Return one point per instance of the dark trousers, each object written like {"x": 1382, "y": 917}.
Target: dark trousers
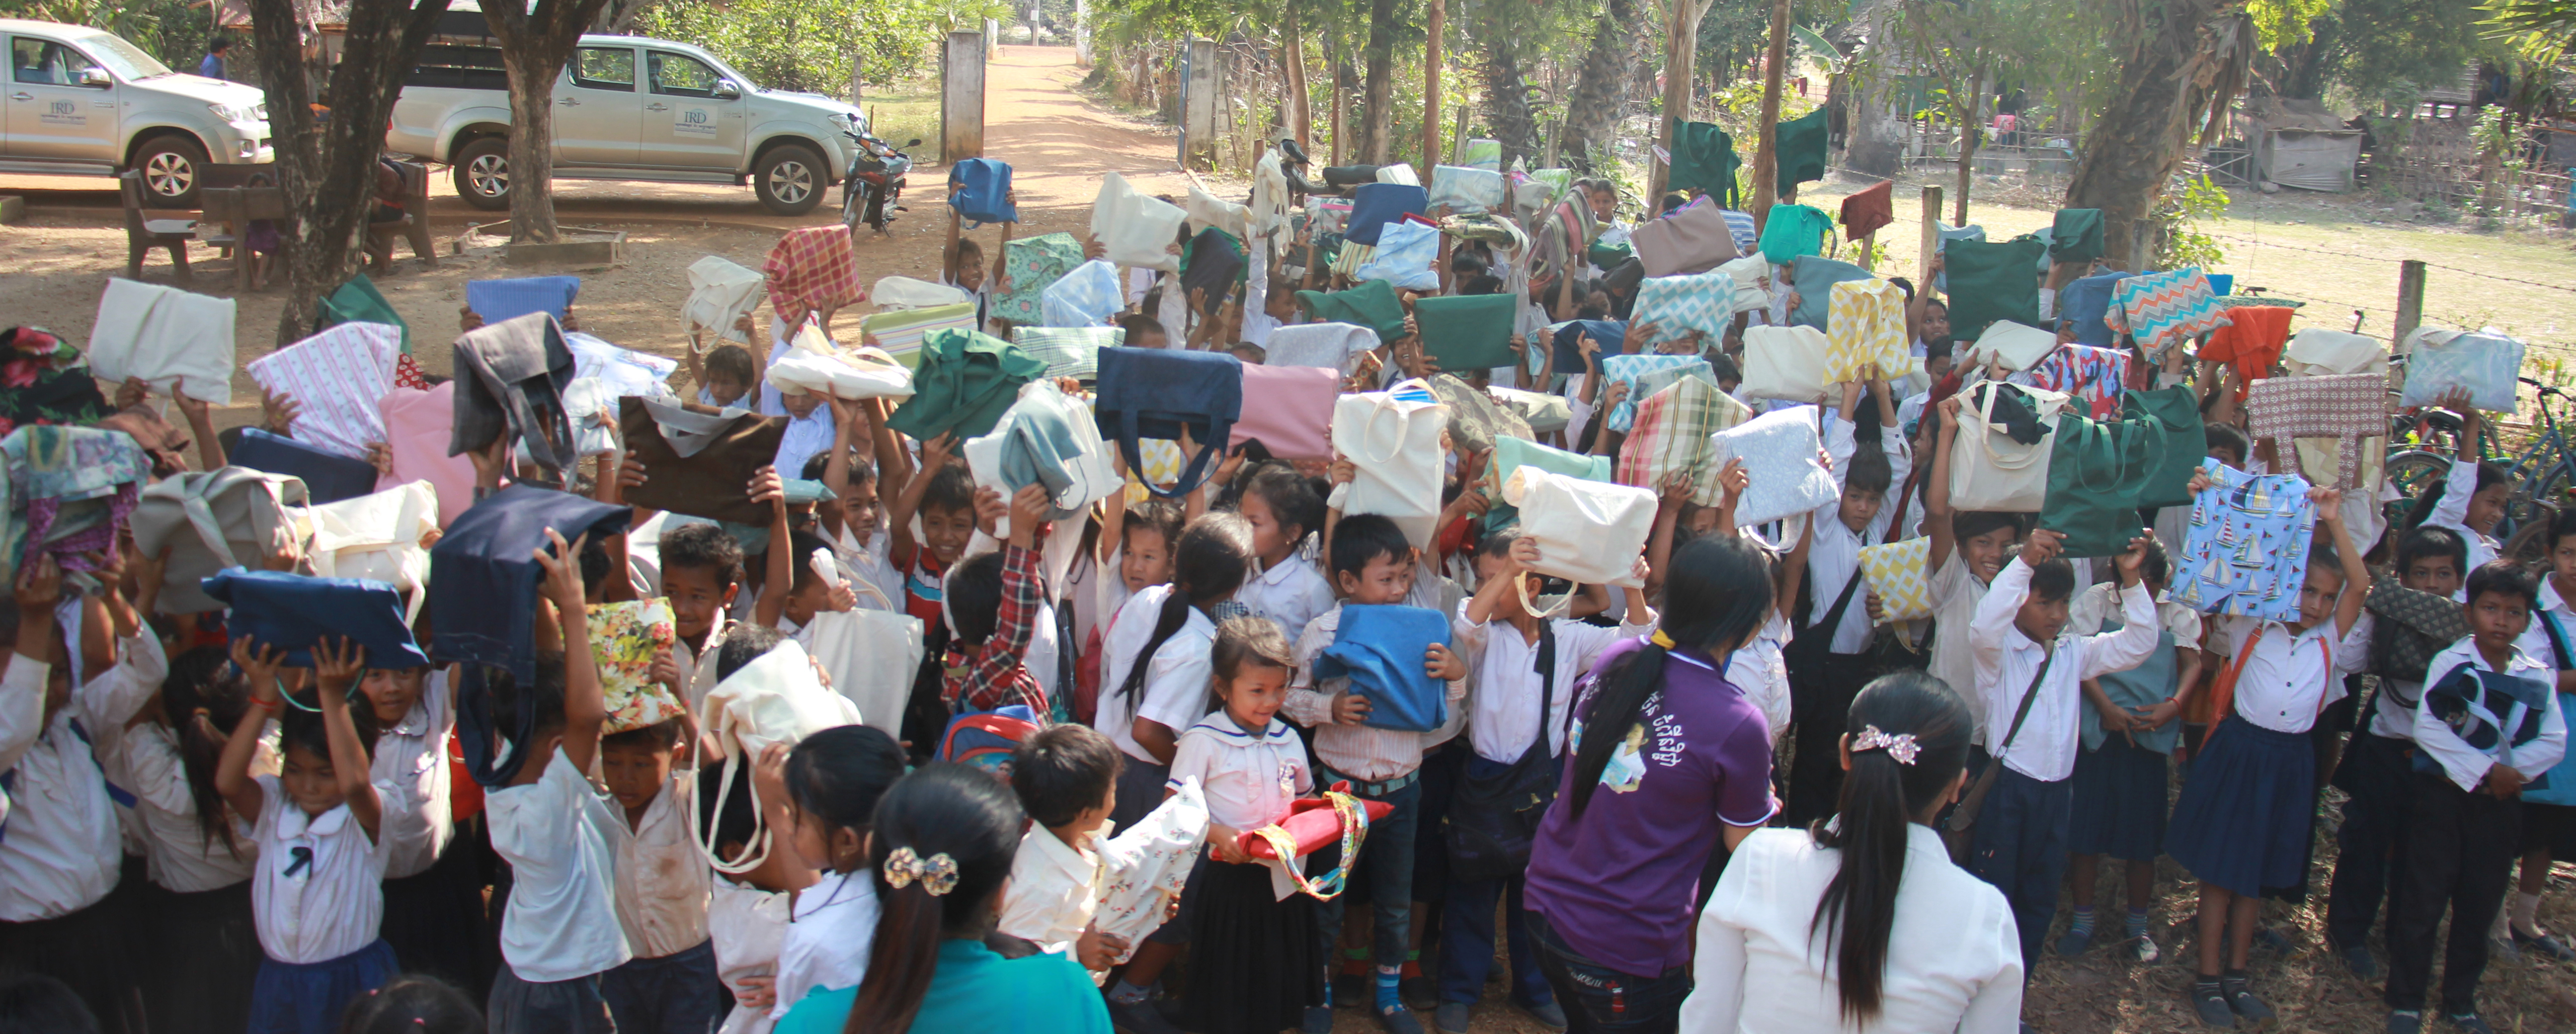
{"x": 1601, "y": 1000}
{"x": 1820, "y": 694}
{"x": 1386, "y": 859}
{"x": 2019, "y": 845}
{"x": 2368, "y": 864}
{"x": 86, "y": 949}
{"x": 573, "y": 1006}
{"x": 2459, "y": 856}
{"x": 677, "y": 993}
{"x": 1467, "y": 942}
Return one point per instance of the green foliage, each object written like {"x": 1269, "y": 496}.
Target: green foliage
{"x": 810, "y": 45}
{"x": 2280, "y": 23}
{"x": 2543, "y": 29}
{"x": 166, "y": 29}
{"x": 2183, "y": 210}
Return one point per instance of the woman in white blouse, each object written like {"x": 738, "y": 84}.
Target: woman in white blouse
{"x": 1863, "y": 924}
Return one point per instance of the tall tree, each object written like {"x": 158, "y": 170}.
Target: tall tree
{"x": 1431, "y": 31}
{"x": 1377, "y": 133}
{"x": 2181, "y": 62}
{"x": 327, "y": 165}
{"x": 535, "y": 43}
{"x": 1592, "y": 112}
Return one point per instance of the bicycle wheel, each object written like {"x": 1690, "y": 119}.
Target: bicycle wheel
{"x": 2530, "y": 545}
{"x": 2412, "y": 473}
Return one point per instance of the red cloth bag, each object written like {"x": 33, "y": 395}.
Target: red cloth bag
{"x": 1313, "y": 823}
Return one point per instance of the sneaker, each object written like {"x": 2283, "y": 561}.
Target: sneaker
{"x": 1319, "y": 1020}
{"x": 2405, "y": 1021}
{"x": 1139, "y": 1018}
{"x": 2467, "y": 1022}
{"x": 1451, "y": 1018}
{"x": 2143, "y": 948}
{"x": 1420, "y": 992}
{"x": 2357, "y": 958}
{"x": 2244, "y": 1003}
{"x": 2074, "y": 942}
{"x": 1548, "y": 1014}
{"x": 2212, "y": 1007}
{"x": 1398, "y": 1020}
{"x": 2546, "y": 944}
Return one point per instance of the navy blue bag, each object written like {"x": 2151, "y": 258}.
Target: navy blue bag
{"x": 1569, "y": 341}
{"x": 1376, "y": 204}
{"x": 1380, "y": 648}
{"x": 483, "y": 580}
{"x": 987, "y": 197}
{"x": 296, "y": 611}
{"x": 2085, "y": 301}
{"x": 328, "y": 476}
{"x": 1155, "y": 393}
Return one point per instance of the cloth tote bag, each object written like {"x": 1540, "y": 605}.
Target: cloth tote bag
{"x": 1693, "y": 240}
{"x": 1895, "y": 573}
{"x": 1157, "y": 393}
{"x": 1033, "y": 264}
{"x": 1085, "y": 297}
{"x": 1134, "y": 229}
{"x": 1406, "y": 251}
{"x": 1379, "y": 647}
{"x": 901, "y": 333}
{"x": 1793, "y": 231}
{"x": 298, "y": 612}
{"x": 1785, "y": 363}
{"x": 1645, "y": 375}
{"x": 328, "y": 476}
{"x": 624, "y": 637}
{"x": 1866, "y": 328}
{"x": 1752, "y": 276}
{"x": 1375, "y": 205}
{"x": 2345, "y": 407}
{"x": 234, "y": 517}
{"x": 2246, "y": 548}
{"x": 1677, "y": 305}
{"x": 2486, "y": 363}
{"x": 2017, "y": 346}
{"x": 1588, "y": 532}
{"x": 894, "y": 293}
{"x": 168, "y": 337}
{"x": 1068, "y": 351}
{"x": 1671, "y": 436}
{"x": 1370, "y": 303}
{"x": 1464, "y": 190}
{"x": 1467, "y": 332}
{"x": 965, "y": 382}
{"x": 1779, "y": 451}
{"x": 2076, "y": 235}
{"x": 1294, "y": 417}
{"x": 2318, "y": 350}
{"x": 2096, "y": 379}
{"x": 1330, "y": 346}
{"x": 774, "y": 699}
{"x": 1512, "y": 453}
{"x": 378, "y": 537}
{"x": 699, "y": 462}
{"x": 498, "y": 300}
{"x": 871, "y": 656}
{"x": 722, "y": 291}
{"x": 1393, "y": 441}
{"x": 1476, "y": 421}
{"x": 335, "y": 377}
{"x": 2175, "y": 416}
{"x": 417, "y": 427}
{"x": 2162, "y": 310}
{"x": 983, "y": 188}
{"x": 1049, "y": 440}
{"x": 1989, "y": 468}
{"x": 1990, "y": 282}
{"x": 2096, "y": 470}
{"x": 813, "y": 364}
{"x": 1813, "y": 277}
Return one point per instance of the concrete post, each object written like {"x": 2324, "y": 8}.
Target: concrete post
{"x": 961, "y": 97}
{"x": 1201, "y": 93}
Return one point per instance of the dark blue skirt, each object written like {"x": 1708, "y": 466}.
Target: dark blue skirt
{"x": 2119, "y": 802}
{"x": 308, "y": 998}
{"x": 2241, "y": 823}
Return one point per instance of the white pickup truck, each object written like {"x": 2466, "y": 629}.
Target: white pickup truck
{"x": 628, "y": 108}
{"x": 84, "y": 101}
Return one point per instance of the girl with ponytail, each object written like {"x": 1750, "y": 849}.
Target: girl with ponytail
{"x": 204, "y": 923}
{"x": 1861, "y": 923}
{"x": 943, "y": 839}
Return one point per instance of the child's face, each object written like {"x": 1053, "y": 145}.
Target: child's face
{"x": 1984, "y": 553}
{"x": 392, "y": 692}
{"x": 1491, "y": 567}
{"x": 308, "y": 780}
{"x": 1382, "y": 582}
{"x": 2496, "y": 620}
{"x": 2317, "y": 594}
{"x": 946, "y": 532}
{"x": 635, "y": 774}
{"x": 810, "y": 598}
{"x": 839, "y": 849}
{"x": 800, "y": 404}
{"x": 2434, "y": 574}
{"x": 2040, "y": 619}
{"x": 1937, "y": 366}
{"x": 696, "y": 599}
{"x": 2562, "y": 560}
{"x": 725, "y": 390}
{"x": 1254, "y": 695}
{"x": 1860, "y": 506}
{"x": 1936, "y": 322}
{"x": 2487, "y": 507}
{"x": 2228, "y": 458}
{"x": 1147, "y": 560}
{"x": 1270, "y": 540}
{"x": 860, "y": 510}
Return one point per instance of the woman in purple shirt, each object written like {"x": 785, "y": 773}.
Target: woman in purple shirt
{"x": 1669, "y": 757}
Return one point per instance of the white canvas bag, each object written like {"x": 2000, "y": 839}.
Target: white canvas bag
{"x": 1393, "y": 439}
{"x": 1033, "y": 425}
{"x": 1133, "y": 229}
{"x": 871, "y": 655}
{"x": 774, "y": 699}
{"x": 812, "y": 363}
{"x": 1989, "y": 470}
{"x": 1588, "y": 532}
{"x": 377, "y": 537}
{"x": 1785, "y": 363}
{"x": 1783, "y": 477}
{"x": 2017, "y": 346}
{"x": 720, "y": 292}
{"x": 167, "y": 337}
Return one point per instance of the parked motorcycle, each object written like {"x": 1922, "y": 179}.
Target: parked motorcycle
{"x": 875, "y": 184}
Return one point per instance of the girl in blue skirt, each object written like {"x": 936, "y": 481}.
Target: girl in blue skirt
{"x": 2120, "y": 775}
{"x": 2241, "y": 823}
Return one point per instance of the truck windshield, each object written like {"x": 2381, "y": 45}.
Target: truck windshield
{"x": 128, "y": 61}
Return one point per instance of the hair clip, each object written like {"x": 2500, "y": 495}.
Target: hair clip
{"x": 1661, "y": 639}
{"x": 1901, "y": 746}
{"x": 937, "y": 873}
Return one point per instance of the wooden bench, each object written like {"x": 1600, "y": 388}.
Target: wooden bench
{"x": 149, "y": 228}
{"x": 413, "y": 226}
{"x": 235, "y": 208}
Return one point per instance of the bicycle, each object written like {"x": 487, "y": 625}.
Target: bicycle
{"x": 2543, "y": 475}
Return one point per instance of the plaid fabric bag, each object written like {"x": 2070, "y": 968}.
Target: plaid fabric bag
{"x": 2346, "y": 407}
{"x": 1645, "y": 375}
{"x": 1671, "y": 434}
{"x": 810, "y": 268}
{"x": 2161, "y": 310}
{"x": 1068, "y": 351}
{"x": 1034, "y": 264}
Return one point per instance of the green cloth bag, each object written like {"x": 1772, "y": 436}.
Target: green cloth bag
{"x": 1794, "y": 230}
{"x": 1033, "y": 263}
{"x": 1467, "y": 332}
{"x": 2174, "y": 416}
{"x": 1372, "y": 304}
{"x": 2096, "y": 469}
{"x": 1801, "y": 143}
{"x": 1990, "y": 282}
{"x": 2076, "y": 236}
{"x": 1512, "y": 453}
{"x": 358, "y": 301}
{"x": 1704, "y": 160}
{"x": 1609, "y": 256}
{"x": 965, "y": 383}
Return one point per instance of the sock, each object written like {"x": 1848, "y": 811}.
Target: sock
{"x": 2204, "y": 985}
{"x": 2526, "y": 914}
{"x": 1126, "y": 993}
{"x": 2137, "y": 925}
{"x": 2233, "y": 980}
{"x": 1387, "y": 979}
{"x": 1355, "y": 962}
{"x": 1412, "y": 968}
{"x": 2083, "y": 926}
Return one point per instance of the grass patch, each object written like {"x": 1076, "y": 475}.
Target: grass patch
{"x": 906, "y": 110}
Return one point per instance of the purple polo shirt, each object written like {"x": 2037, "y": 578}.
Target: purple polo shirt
{"x": 1619, "y": 884}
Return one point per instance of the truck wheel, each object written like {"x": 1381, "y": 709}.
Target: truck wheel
{"x": 172, "y": 165}
{"x": 790, "y": 178}
{"x": 483, "y": 173}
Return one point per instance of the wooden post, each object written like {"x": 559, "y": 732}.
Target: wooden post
{"x": 1458, "y": 139}
{"x": 961, "y": 97}
{"x": 1341, "y": 105}
{"x": 2410, "y": 301}
{"x": 1931, "y": 236}
{"x": 1430, "y": 89}
{"x": 1681, "y": 56}
{"x": 1766, "y": 152}
{"x": 1868, "y": 251}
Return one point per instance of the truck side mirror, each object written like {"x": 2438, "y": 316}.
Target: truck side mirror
{"x": 97, "y": 77}
{"x": 725, "y": 90}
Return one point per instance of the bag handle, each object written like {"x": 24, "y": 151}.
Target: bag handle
{"x": 1986, "y": 441}
{"x": 1354, "y": 832}
{"x": 1404, "y": 428}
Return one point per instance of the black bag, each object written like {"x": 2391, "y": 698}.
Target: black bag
{"x": 1492, "y": 821}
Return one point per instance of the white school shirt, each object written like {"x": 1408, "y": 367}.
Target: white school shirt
{"x": 780, "y": 339}
{"x": 2453, "y": 511}
{"x": 662, "y": 881}
{"x": 1761, "y": 671}
{"x": 63, "y": 847}
{"x": 806, "y": 437}
{"x": 1953, "y": 959}
{"x": 1177, "y": 678}
{"x": 2289, "y": 677}
{"x": 865, "y": 563}
{"x": 411, "y": 776}
{"x": 178, "y": 854}
{"x": 555, "y": 833}
{"x": 1248, "y": 778}
{"x": 1956, "y": 593}
{"x": 1834, "y": 554}
{"x": 831, "y": 929}
{"x": 1502, "y": 708}
{"x": 747, "y": 924}
{"x": 2466, "y": 766}
{"x": 1365, "y": 752}
{"x": 2535, "y": 639}
{"x": 1054, "y": 889}
{"x": 698, "y": 671}
{"x": 109, "y": 699}
{"x": 2006, "y": 661}
{"x": 1292, "y": 593}
{"x": 334, "y": 901}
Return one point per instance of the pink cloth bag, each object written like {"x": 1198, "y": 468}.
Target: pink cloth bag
{"x": 1290, "y": 408}
{"x": 417, "y": 425}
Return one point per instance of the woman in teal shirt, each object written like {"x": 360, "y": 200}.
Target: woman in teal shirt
{"x": 943, "y": 842}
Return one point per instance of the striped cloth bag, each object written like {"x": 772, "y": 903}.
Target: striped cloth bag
{"x": 900, "y": 333}
{"x": 1671, "y": 433}
{"x": 335, "y": 377}
{"x": 2161, "y": 310}
{"x": 1645, "y": 375}
{"x": 1068, "y": 351}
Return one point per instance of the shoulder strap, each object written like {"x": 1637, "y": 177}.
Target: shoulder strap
{"x": 1546, "y": 662}
{"x": 2027, "y": 697}
{"x": 2558, "y": 644}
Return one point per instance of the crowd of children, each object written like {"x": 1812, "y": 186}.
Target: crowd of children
{"x": 208, "y": 831}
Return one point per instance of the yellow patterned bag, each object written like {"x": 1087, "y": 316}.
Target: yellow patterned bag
{"x": 1896, "y": 573}
{"x": 1865, "y": 325}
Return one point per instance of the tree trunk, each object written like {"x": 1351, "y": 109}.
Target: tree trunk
{"x": 534, "y": 46}
{"x": 2177, "y": 67}
{"x": 1300, "y": 113}
{"x": 1431, "y": 88}
{"x": 1681, "y": 53}
{"x": 1766, "y": 149}
{"x": 1971, "y": 129}
{"x": 1592, "y": 113}
{"x": 1875, "y": 144}
{"x": 327, "y": 170}
{"x": 1341, "y": 106}
{"x": 1377, "y": 132}
{"x": 1507, "y": 105}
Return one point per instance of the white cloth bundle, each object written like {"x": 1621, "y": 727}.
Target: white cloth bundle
{"x": 871, "y": 656}
{"x": 2017, "y": 346}
{"x": 377, "y": 537}
{"x": 1786, "y": 363}
{"x": 813, "y": 363}
{"x": 894, "y": 293}
{"x": 1588, "y": 532}
{"x": 1208, "y": 210}
{"x": 625, "y": 370}
{"x": 1145, "y": 866}
{"x": 167, "y": 337}
{"x": 720, "y": 292}
{"x": 1329, "y": 345}
{"x": 1136, "y": 230}
{"x": 774, "y": 699}
{"x": 591, "y": 405}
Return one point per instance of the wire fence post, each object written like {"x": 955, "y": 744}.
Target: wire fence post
{"x": 1931, "y": 234}
{"x": 2410, "y": 300}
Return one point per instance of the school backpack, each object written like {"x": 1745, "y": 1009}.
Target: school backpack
{"x": 985, "y": 739}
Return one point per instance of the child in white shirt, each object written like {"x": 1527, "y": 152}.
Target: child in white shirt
{"x": 1284, "y": 512}
{"x": 832, "y": 781}
{"x": 662, "y": 887}
{"x": 1067, "y": 779}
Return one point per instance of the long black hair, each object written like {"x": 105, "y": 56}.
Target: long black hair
{"x": 840, "y": 775}
{"x": 1716, "y": 595}
{"x": 1881, "y": 795}
{"x": 1209, "y": 563}
{"x": 973, "y": 820}
{"x": 203, "y": 683}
